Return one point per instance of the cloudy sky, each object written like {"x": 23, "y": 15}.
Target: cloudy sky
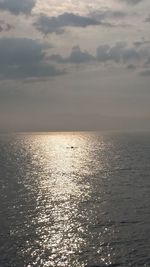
{"x": 74, "y": 65}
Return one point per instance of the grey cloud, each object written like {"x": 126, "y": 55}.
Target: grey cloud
{"x": 106, "y": 14}
{"x": 131, "y": 2}
{"x": 117, "y": 53}
{"x": 24, "y": 58}
{"x": 145, "y": 73}
{"x": 135, "y": 56}
{"x": 147, "y": 19}
{"x": 76, "y": 56}
{"x": 141, "y": 43}
{"x": 109, "y": 18}
{"x": 116, "y": 14}
{"x": 5, "y": 26}
{"x": 47, "y": 24}
{"x": 132, "y": 56}
{"x": 17, "y": 6}
{"x": 131, "y": 67}
{"x": 58, "y": 24}
{"x": 147, "y": 63}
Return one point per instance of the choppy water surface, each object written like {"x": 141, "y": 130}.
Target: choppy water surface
{"x": 75, "y": 200}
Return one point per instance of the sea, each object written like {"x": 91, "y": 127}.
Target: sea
{"x": 76, "y": 199}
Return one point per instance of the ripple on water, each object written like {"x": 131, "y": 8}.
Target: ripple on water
{"x": 74, "y": 200}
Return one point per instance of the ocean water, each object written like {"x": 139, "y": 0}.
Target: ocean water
{"x": 75, "y": 200}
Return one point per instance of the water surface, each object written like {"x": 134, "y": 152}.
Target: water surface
{"x": 74, "y": 200}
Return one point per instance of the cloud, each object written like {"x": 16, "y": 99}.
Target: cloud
{"x": 17, "y": 6}
{"x": 131, "y": 2}
{"x": 147, "y": 63}
{"x": 77, "y": 56}
{"x": 107, "y": 14}
{"x": 5, "y": 27}
{"x": 28, "y": 58}
{"x": 147, "y": 19}
{"x": 58, "y": 24}
{"x": 141, "y": 43}
{"x": 135, "y": 56}
{"x": 47, "y": 24}
{"x": 109, "y": 18}
{"x": 120, "y": 52}
{"x": 24, "y": 58}
{"x": 145, "y": 73}
{"x": 131, "y": 67}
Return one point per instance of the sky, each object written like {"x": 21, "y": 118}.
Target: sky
{"x": 73, "y": 65}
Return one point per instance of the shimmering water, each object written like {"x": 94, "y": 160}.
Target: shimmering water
{"x": 75, "y": 200}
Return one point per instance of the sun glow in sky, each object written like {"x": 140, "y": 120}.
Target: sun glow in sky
{"x": 55, "y": 7}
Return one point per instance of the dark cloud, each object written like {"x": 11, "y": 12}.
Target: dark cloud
{"x": 145, "y": 73}
{"x": 131, "y": 67}
{"x": 116, "y": 14}
{"x": 17, "y": 6}
{"x": 147, "y": 63}
{"x": 28, "y": 58}
{"x": 76, "y": 56}
{"x": 147, "y": 19}
{"x": 141, "y": 43}
{"x": 109, "y": 18}
{"x": 131, "y": 2}
{"x": 120, "y": 52}
{"x": 132, "y": 56}
{"x": 58, "y": 24}
{"x": 5, "y": 27}
{"x": 107, "y": 14}
{"x": 24, "y": 58}
{"x": 47, "y": 24}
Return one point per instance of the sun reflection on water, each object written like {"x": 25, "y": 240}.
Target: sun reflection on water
{"x": 74, "y": 200}
{"x": 60, "y": 169}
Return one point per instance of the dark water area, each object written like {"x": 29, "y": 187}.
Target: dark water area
{"x": 75, "y": 200}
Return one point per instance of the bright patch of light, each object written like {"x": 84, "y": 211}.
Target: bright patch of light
{"x": 56, "y": 7}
